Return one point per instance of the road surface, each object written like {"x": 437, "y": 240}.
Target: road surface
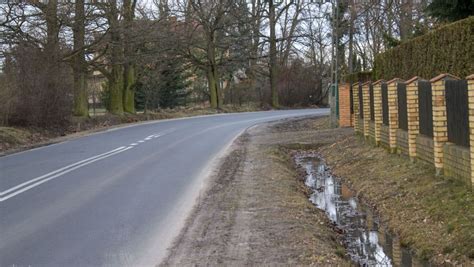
{"x": 117, "y": 197}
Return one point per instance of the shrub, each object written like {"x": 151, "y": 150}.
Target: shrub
{"x": 449, "y": 49}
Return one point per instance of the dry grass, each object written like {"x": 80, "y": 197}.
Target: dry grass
{"x": 433, "y": 215}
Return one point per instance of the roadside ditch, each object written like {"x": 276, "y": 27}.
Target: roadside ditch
{"x": 297, "y": 192}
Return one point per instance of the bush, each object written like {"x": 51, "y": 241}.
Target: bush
{"x": 449, "y": 49}
{"x": 363, "y": 76}
{"x": 38, "y": 98}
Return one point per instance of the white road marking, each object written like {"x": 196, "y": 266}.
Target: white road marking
{"x": 18, "y": 189}
{"x": 57, "y": 173}
{"x": 58, "y": 170}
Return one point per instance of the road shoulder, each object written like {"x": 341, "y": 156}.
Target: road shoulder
{"x": 256, "y": 211}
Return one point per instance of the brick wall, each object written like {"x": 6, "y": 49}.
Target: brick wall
{"x": 372, "y": 131}
{"x": 366, "y": 104}
{"x": 424, "y": 148}
{"x": 355, "y": 96}
{"x": 470, "y": 93}
{"x": 393, "y": 113}
{"x": 384, "y": 139}
{"x": 344, "y": 105}
{"x": 440, "y": 123}
{"x": 457, "y": 162}
{"x": 412, "y": 115}
{"x": 402, "y": 142}
{"x": 377, "y": 110}
{"x": 448, "y": 158}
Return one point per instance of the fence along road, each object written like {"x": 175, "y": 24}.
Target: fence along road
{"x": 113, "y": 198}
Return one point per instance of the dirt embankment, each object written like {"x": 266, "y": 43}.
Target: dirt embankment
{"x": 256, "y": 212}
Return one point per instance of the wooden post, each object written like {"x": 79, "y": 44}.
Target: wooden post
{"x": 440, "y": 120}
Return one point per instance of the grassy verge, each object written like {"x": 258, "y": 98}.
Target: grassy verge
{"x": 433, "y": 215}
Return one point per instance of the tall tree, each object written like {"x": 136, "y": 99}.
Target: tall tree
{"x": 129, "y": 65}
{"x": 273, "y": 54}
{"x": 79, "y": 62}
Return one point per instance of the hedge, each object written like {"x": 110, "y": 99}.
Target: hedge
{"x": 449, "y": 49}
{"x": 363, "y": 76}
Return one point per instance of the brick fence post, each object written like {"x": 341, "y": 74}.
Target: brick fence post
{"x": 440, "y": 120}
{"x": 355, "y": 103}
{"x": 413, "y": 116}
{"x": 366, "y": 107}
{"x": 377, "y": 87}
{"x": 392, "y": 113}
{"x": 470, "y": 92}
{"x": 344, "y": 105}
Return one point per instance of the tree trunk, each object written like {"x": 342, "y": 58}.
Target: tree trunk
{"x": 116, "y": 77}
{"x": 406, "y": 19}
{"x": 79, "y": 64}
{"x": 52, "y": 59}
{"x": 273, "y": 54}
{"x": 129, "y": 68}
{"x": 212, "y": 76}
{"x": 256, "y": 24}
{"x": 212, "y": 82}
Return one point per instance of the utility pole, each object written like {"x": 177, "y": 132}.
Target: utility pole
{"x": 273, "y": 55}
{"x": 334, "y": 63}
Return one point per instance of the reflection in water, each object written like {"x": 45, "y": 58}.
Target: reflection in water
{"x": 360, "y": 227}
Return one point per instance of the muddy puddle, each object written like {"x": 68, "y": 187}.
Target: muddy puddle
{"x": 367, "y": 241}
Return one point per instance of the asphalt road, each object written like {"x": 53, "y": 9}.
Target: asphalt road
{"x": 117, "y": 197}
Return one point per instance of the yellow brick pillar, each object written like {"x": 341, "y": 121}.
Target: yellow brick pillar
{"x": 366, "y": 108}
{"x": 440, "y": 121}
{"x": 377, "y": 87}
{"x": 413, "y": 116}
{"x": 470, "y": 93}
{"x": 392, "y": 113}
{"x": 355, "y": 102}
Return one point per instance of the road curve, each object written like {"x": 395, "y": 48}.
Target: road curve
{"x": 116, "y": 197}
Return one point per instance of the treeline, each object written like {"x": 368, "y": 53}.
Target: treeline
{"x": 159, "y": 54}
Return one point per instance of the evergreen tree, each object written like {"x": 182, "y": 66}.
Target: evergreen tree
{"x": 162, "y": 85}
{"x": 451, "y": 10}
{"x": 172, "y": 86}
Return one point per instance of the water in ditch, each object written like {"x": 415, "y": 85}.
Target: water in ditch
{"x": 367, "y": 242}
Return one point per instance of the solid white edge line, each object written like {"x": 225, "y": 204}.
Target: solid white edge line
{"x": 60, "y": 174}
{"x": 58, "y": 170}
